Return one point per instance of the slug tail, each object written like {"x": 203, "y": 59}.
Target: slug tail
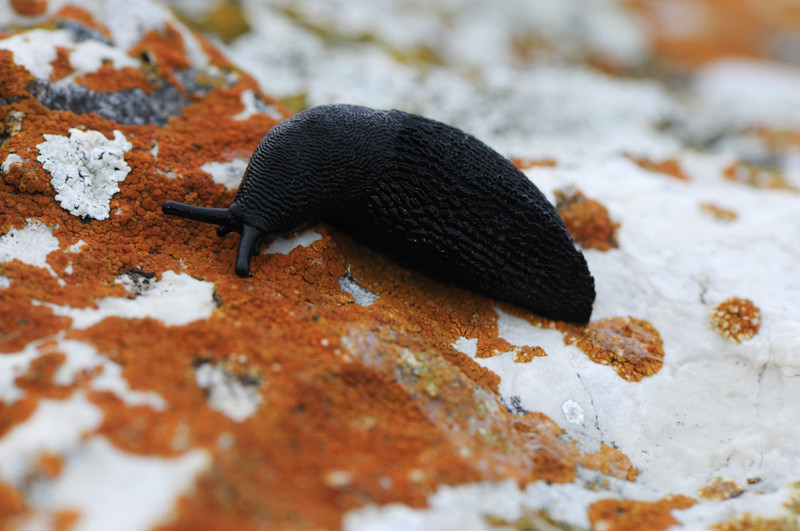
{"x": 218, "y": 216}
{"x": 251, "y": 238}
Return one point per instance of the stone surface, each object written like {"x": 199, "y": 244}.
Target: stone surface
{"x": 143, "y": 385}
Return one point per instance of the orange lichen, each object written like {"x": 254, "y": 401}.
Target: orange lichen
{"x": 65, "y": 520}
{"x": 13, "y": 78}
{"x": 38, "y": 380}
{"x": 14, "y": 413}
{"x": 633, "y": 515}
{"x": 718, "y": 29}
{"x": 28, "y": 176}
{"x": 526, "y": 164}
{"x": 757, "y": 176}
{"x": 12, "y": 504}
{"x": 29, "y": 8}
{"x": 358, "y": 404}
{"x": 669, "y": 167}
{"x": 22, "y": 322}
{"x": 62, "y": 67}
{"x": 717, "y": 212}
{"x": 489, "y": 347}
{"x": 525, "y": 353}
{"x": 165, "y": 48}
{"x": 632, "y": 346}
{"x": 587, "y": 221}
{"x": 611, "y": 462}
{"x": 81, "y": 16}
{"x": 720, "y": 489}
{"x": 736, "y": 318}
{"x": 109, "y": 79}
{"x": 789, "y": 521}
{"x": 47, "y": 465}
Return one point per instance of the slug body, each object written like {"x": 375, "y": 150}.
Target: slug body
{"x": 424, "y": 192}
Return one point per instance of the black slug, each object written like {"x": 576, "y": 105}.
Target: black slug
{"x": 424, "y": 192}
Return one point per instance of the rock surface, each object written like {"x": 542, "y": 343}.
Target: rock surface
{"x": 143, "y": 385}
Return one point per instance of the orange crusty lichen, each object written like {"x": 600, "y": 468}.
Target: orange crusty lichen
{"x": 525, "y": 353}
{"x": 109, "y": 79}
{"x": 526, "y": 164}
{"x": 720, "y": 29}
{"x": 634, "y": 515}
{"x": 789, "y": 521}
{"x": 632, "y": 346}
{"x": 359, "y": 404}
{"x": 62, "y": 67}
{"x": 611, "y": 462}
{"x": 489, "y": 347}
{"x": 29, "y": 8}
{"x": 48, "y": 465}
{"x": 12, "y": 505}
{"x": 736, "y": 318}
{"x": 757, "y": 176}
{"x": 587, "y": 220}
{"x": 720, "y": 489}
{"x": 669, "y": 167}
{"x": 22, "y": 322}
{"x": 38, "y": 380}
{"x": 15, "y": 78}
{"x": 717, "y": 212}
{"x": 165, "y": 48}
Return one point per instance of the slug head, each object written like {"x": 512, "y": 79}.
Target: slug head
{"x": 228, "y": 222}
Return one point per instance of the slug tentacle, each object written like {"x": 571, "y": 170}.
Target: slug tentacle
{"x": 419, "y": 190}
{"x": 218, "y": 216}
{"x": 251, "y": 241}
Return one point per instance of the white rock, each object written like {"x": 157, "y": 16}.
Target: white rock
{"x": 176, "y": 299}
{"x": 31, "y": 245}
{"x": 227, "y": 393}
{"x": 228, "y": 174}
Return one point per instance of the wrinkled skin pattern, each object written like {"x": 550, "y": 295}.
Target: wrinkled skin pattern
{"x": 426, "y": 193}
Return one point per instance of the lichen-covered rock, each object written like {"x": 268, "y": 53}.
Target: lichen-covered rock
{"x": 339, "y": 389}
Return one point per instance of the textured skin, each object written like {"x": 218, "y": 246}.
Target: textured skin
{"x": 424, "y": 192}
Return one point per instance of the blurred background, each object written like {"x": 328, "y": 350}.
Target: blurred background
{"x": 541, "y": 78}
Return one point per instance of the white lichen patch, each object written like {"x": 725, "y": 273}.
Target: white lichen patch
{"x": 253, "y": 106}
{"x": 228, "y": 174}
{"x": 37, "y": 49}
{"x": 55, "y": 427}
{"x": 82, "y": 357}
{"x": 12, "y": 158}
{"x": 91, "y": 483}
{"x": 573, "y": 412}
{"x": 362, "y": 295}
{"x": 232, "y": 395}
{"x": 285, "y": 245}
{"x": 76, "y": 247}
{"x": 86, "y": 169}
{"x": 467, "y": 346}
{"x": 13, "y": 365}
{"x": 31, "y": 245}
{"x": 177, "y": 299}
